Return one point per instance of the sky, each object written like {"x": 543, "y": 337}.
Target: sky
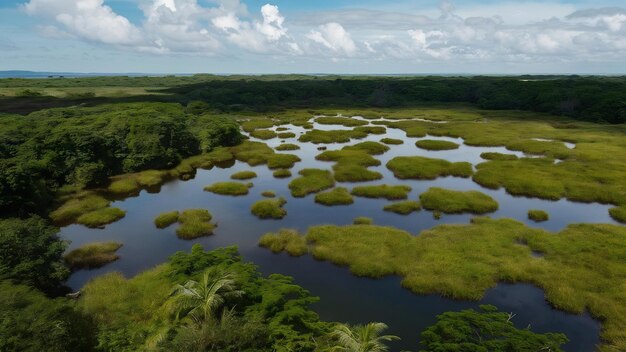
{"x": 320, "y": 36}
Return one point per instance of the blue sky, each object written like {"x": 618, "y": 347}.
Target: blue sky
{"x": 323, "y": 36}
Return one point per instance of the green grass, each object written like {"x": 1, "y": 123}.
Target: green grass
{"x": 252, "y": 125}
{"x": 453, "y": 202}
{"x": 126, "y": 185}
{"x": 403, "y": 208}
{"x": 287, "y": 146}
{"x": 371, "y": 130}
{"x": 538, "y": 215}
{"x": 228, "y": 188}
{"x": 351, "y": 165}
{"x": 311, "y": 181}
{"x": 257, "y": 153}
{"x": 101, "y": 217}
{"x": 431, "y": 144}
{"x": 243, "y": 175}
{"x": 166, "y": 219}
{"x": 285, "y": 240}
{"x": 382, "y": 191}
{"x": 263, "y": 134}
{"x": 344, "y": 121}
{"x": 286, "y": 135}
{"x": 282, "y": 161}
{"x": 268, "y": 194}
{"x": 392, "y": 141}
{"x": 362, "y": 220}
{"x": 497, "y": 156}
{"x": 79, "y": 204}
{"x": 336, "y": 196}
{"x": 618, "y": 213}
{"x": 582, "y": 268}
{"x": 195, "y": 223}
{"x": 269, "y": 208}
{"x": 283, "y": 173}
{"x": 418, "y": 167}
{"x": 93, "y": 255}
{"x": 372, "y": 148}
{"x": 354, "y": 173}
{"x": 327, "y": 137}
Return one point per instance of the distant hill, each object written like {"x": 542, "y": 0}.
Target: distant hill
{"x": 37, "y": 74}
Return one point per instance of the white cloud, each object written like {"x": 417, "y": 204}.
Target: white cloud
{"x": 334, "y": 37}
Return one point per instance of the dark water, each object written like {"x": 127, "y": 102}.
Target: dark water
{"x": 344, "y": 297}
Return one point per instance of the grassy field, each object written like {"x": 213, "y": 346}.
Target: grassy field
{"x": 453, "y": 202}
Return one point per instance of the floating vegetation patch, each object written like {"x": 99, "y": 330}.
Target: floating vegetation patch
{"x": 344, "y": 121}
{"x": 101, "y": 217}
{"x": 392, "y": 141}
{"x": 311, "y": 181}
{"x": 269, "y": 208}
{"x": 287, "y": 146}
{"x": 431, "y": 144}
{"x": 497, "y": 156}
{"x": 403, "y": 208}
{"x": 243, "y": 175}
{"x": 268, "y": 194}
{"x": 263, "y": 134}
{"x": 229, "y": 188}
{"x": 257, "y": 153}
{"x": 92, "y": 255}
{"x": 382, "y": 191}
{"x": 372, "y": 148}
{"x": 362, "y": 220}
{"x": 285, "y": 240}
{"x": 336, "y": 196}
{"x": 327, "y": 137}
{"x": 538, "y": 215}
{"x": 422, "y": 168}
{"x": 618, "y": 213}
{"x": 166, "y": 219}
{"x": 283, "y": 173}
{"x": 453, "y": 202}
{"x": 286, "y": 135}
{"x": 195, "y": 223}
{"x": 371, "y": 130}
{"x": 351, "y": 165}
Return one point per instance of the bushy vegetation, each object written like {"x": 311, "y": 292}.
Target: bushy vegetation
{"x": 101, "y": 217}
{"x": 263, "y": 134}
{"x": 287, "y": 146}
{"x": 195, "y": 223}
{"x": 431, "y": 144}
{"x": 229, "y": 188}
{"x": 382, "y": 191}
{"x": 485, "y": 330}
{"x": 392, "y": 141}
{"x": 403, "y": 208}
{"x": 538, "y": 215}
{"x": 311, "y": 181}
{"x": 362, "y": 220}
{"x": 166, "y": 219}
{"x": 285, "y": 240}
{"x": 78, "y": 205}
{"x": 243, "y": 175}
{"x": 336, "y": 196}
{"x": 92, "y": 255}
{"x": 418, "y": 167}
{"x": 451, "y": 201}
{"x": 269, "y": 208}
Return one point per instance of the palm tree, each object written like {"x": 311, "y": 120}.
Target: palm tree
{"x": 201, "y": 300}
{"x": 361, "y": 338}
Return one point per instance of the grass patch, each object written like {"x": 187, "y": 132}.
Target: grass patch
{"x": 351, "y": 165}
{"x": 418, "y": 167}
{"x": 497, "y": 156}
{"x": 392, "y": 141}
{"x": 282, "y": 161}
{"x": 195, "y": 223}
{"x": 372, "y": 148}
{"x": 344, "y": 121}
{"x": 287, "y": 146}
{"x": 453, "y": 202}
{"x": 166, "y": 219}
{"x": 243, "y": 175}
{"x": 76, "y": 206}
{"x": 327, "y": 137}
{"x": 133, "y": 183}
{"x": 268, "y": 194}
{"x": 252, "y": 125}
{"x": 228, "y": 188}
{"x": 269, "y": 208}
{"x": 431, "y": 144}
{"x": 286, "y": 135}
{"x": 618, "y": 213}
{"x": 538, "y": 215}
{"x": 125, "y": 185}
{"x": 93, "y": 255}
{"x": 362, "y": 220}
{"x": 336, "y": 196}
{"x": 382, "y": 191}
{"x": 371, "y": 130}
{"x": 355, "y": 173}
{"x": 263, "y": 134}
{"x": 285, "y": 240}
{"x": 101, "y": 217}
{"x": 582, "y": 268}
{"x": 403, "y": 208}
{"x": 283, "y": 173}
{"x": 311, "y": 181}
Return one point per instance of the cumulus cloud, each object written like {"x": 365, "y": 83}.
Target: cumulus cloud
{"x": 334, "y": 37}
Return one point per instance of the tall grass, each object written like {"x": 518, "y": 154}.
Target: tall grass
{"x": 311, "y": 181}
{"x": 336, "y": 196}
{"x": 451, "y": 201}
{"x": 93, "y": 255}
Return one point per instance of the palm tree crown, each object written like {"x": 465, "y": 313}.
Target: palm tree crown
{"x": 361, "y": 338}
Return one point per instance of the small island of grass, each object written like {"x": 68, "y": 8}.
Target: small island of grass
{"x": 422, "y": 168}
{"x": 166, "y": 219}
{"x": 538, "y": 215}
{"x": 285, "y": 240}
{"x": 618, "y": 213}
{"x": 228, "y": 188}
{"x": 195, "y": 223}
{"x": 362, "y": 220}
{"x": 93, "y": 255}
{"x": 392, "y": 141}
{"x": 327, "y": 137}
{"x": 382, "y": 191}
{"x": 282, "y": 173}
{"x": 101, "y": 217}
{"x": 404, "y": 207}
{"x": 269, "y": 208}
{"x": 286, "y": 135}
{"x": 372, "y": 148}
{"x": 431, "y": 144}
{"x": 243, "y": 175}
{"x": 336, "y": 196}
{"x": 453, "y": 202}
{"x": 263, "y": 134}
{"x": 311, "y": 181}
{"x": 497, "y": 156}
{"x": 287, "y": 146}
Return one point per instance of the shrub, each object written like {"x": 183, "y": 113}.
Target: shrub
{"x": 382, "y": 191}
{"x": 362, "y": 220}
{"x": 450, "y": 202}
{"x": 336, "y": 196}
{"x": 93, "y": 255}
{"x": 538, "y": 215}
{"x": 164, "y": 220}
{"x": 417, "y": 167}
{"x": 311, "y": 181}
{"x": 403, "y": 208}
{"x": 228, "y": 188}
{"x": 101, "y": 217}
{"x": 287, "y": 146}
{"x": 269, "y": 208}
{"x": 285, "y": 240}
{"x": 430, "y": 144}
{"x": 243, "y": 175}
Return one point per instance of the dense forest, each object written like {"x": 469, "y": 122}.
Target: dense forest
{"x": 597, "y": 99}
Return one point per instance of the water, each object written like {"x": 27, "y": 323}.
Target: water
{"x": 344, "y": 297}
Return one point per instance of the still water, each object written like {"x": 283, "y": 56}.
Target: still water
{"x": 344, "y": 297}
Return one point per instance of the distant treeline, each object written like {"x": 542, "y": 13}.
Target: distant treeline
{"x": 594, "y": 98}
{"x": 84, "y": 146}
